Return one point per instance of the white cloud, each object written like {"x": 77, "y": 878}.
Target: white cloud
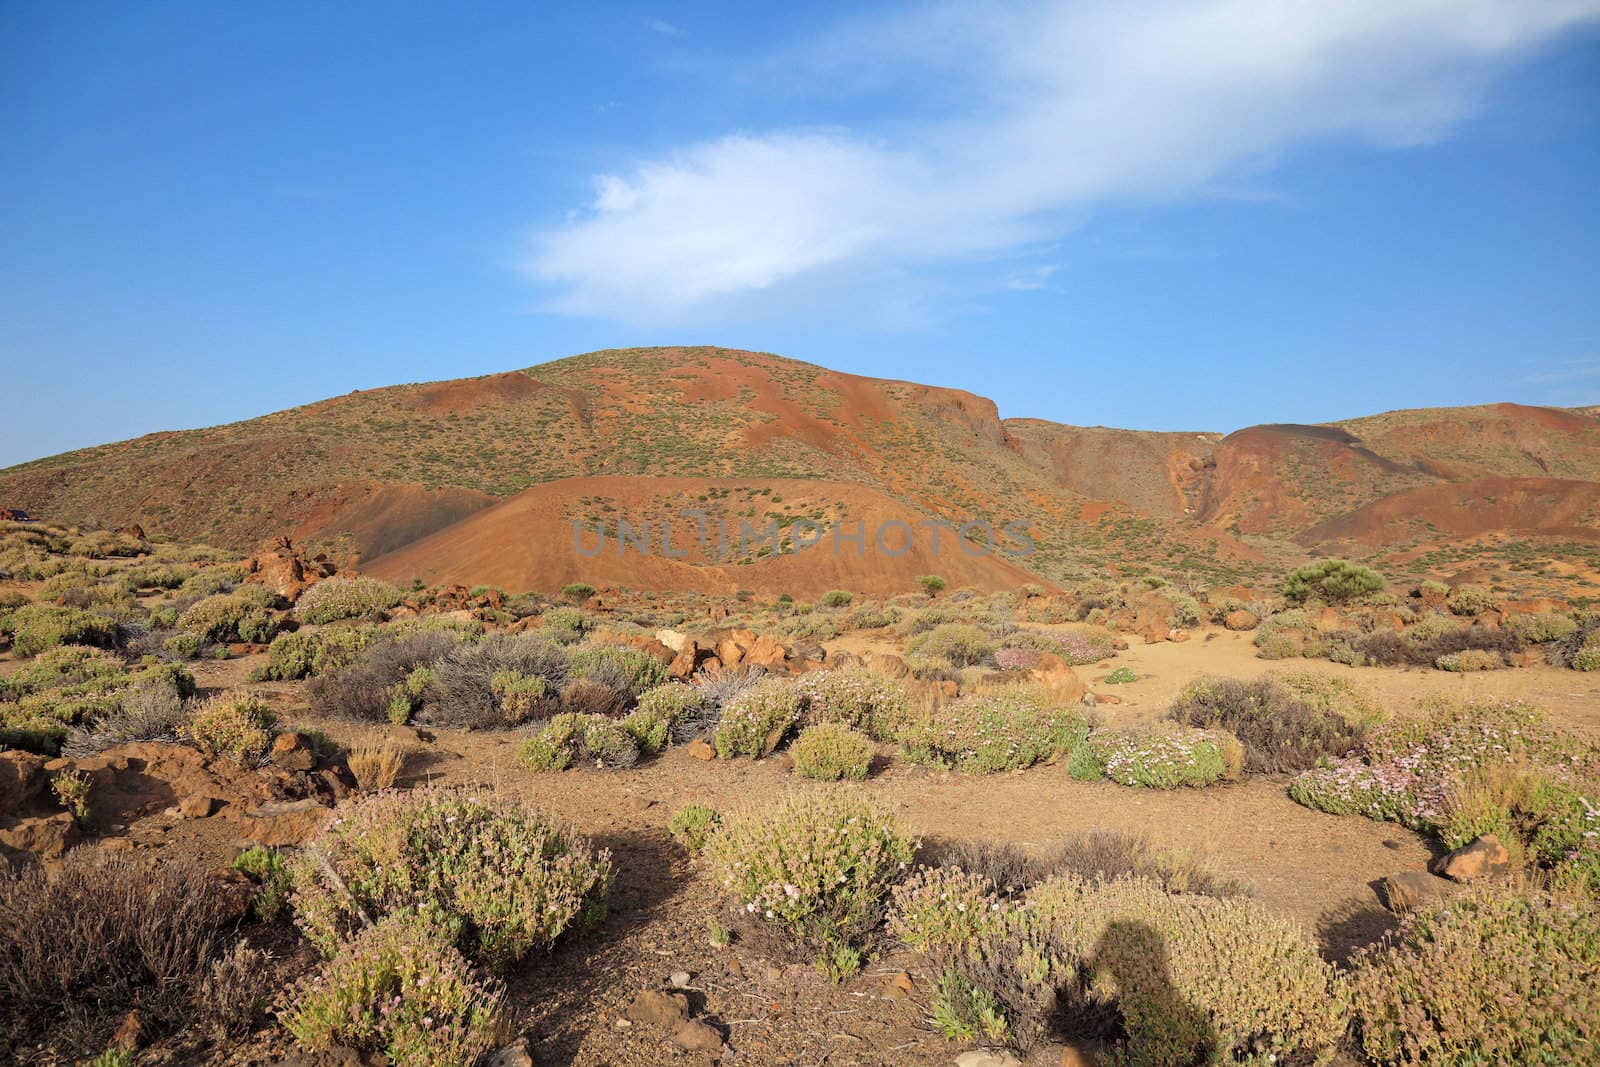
{"x": 665, "y": 28}
{"x": 1041, "y": 113}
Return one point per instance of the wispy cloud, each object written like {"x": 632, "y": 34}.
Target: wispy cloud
{"x": 1044, "y": 113}
{"x": 665, "y": 28}
{"x": 1568, "y": 373}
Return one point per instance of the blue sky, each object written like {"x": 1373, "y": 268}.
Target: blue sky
{"x": 1185, "y": 214}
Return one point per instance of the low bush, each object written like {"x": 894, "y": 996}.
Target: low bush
{"x": 1279, "y": 731}
{"x": 338, "y": 598}
{"x": 684, "y": 709}
{"x": 505, "y": 877}
{"x": 1333, "y": 580}
{"x": 306, "y": 653}
{"x": 1005, "y": 730}
{"x": 35, "y": 628}
{"x": 104, "y": 933}
{"x": 692, "y": 826}
{"x": 626, "y": 671}
{"x": 265, "y": 867}
{"x": 376, "y": 766}
{"x": 946, "y": 906}
{"x": 1189, "y": 978}
{"x": 836, "y": 598}
{"x": 145, "y": 712}
{"x": 1168, "y": 756}
{"x": 1497, "y": 975}
{"x": 960, "y": 644}
{"x": 830, "y": 752}
{"x": 236, "y": 725}
{"x": 871, "y": 703}
{"x": 230, "y": 617}
{"x": 868, "y": 617}
{"x": 1470, "y": 600}
{"x": 566, "y": 625}
{"x": 1107, "y": 855}
{"x": 571, "y": 738}
{"x": 400, "y": 988}
{"x": 819, "y": 868}
{"x": 1334, "y": 696}
{"x": 756, "y": 720}
{"x": 487, "y": 684}
{"x": 1475, "y": 659}
{"x": 1122, "y": 676}
{"x": 1543, "y": 627}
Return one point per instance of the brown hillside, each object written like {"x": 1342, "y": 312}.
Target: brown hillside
{"x": 527, "y": 542}
{"x": 1469, "y": 509}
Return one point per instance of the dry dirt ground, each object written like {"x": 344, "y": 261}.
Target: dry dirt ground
{"x": 1318, "y": 868}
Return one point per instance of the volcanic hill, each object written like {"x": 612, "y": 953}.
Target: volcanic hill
{"x": 480, "y": 480}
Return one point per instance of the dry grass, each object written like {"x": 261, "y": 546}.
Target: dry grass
{"x": 376, "y": 766}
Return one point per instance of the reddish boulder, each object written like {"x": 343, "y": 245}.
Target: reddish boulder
{"x": 281, "y": 567}
{"x": 284, "y": 822}
{"x": 48, "y": 836}
{"x": 293, "y": 752}
{"x": 22, "y": 779}
{"x": 1241, "y": 619}
{"x": 1481, "y": 857}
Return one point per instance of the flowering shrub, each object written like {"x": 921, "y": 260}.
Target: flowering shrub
{"x": 830, "y": 751}
{"x": 570, "y": 738}
{"x": 944, "y": 907}
{"x": 1496, "y": 975}
{"x": 345, "y": 598}
{"x": 508, "y": 878}
{"x": 693, "y": 825}
{"x": 821, "y": 868}
{"x": 236, "y": 725}
{"x": 756, "y": 720}
{"x": 400, "y": 988}
{"x": 1017, "y": 659}
{"x": 871, "y": 703}
{"x": 1079, "y": 647}
{"x": 1168, "y": 756}
{"x": 959, "y": 643}
{"x": 1000, "y": 731}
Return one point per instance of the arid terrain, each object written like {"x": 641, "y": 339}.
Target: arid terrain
{"x": 321, "y": 743}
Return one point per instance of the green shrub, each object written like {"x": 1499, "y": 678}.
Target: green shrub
{"x": 1334, "y": 580}
{"x": 229, "y": 617}
{"x": 621, "y": 669}
{"x": 830, "y": 752}
{"x": 305, "y": 653}
{"x": 567, "y": 625}
{"x": 836, "y": 598}
{"x": 1005, "y": 730}
{"x": 868, "y": 617}
{"x": 1470, "y": 600}
{"x": 931, "y": 584}
{"x": 1122, "y": 676}
{"x": 400, "y": 988}
{"x": 485, "y": 684}
{"x": 236, "y": 725}
{"x": 820, "y": 868}
{"x": 508, "y": 879}
{"x": 1497, "y": 975}
{"x": 183, "y": 645}
{"x": 959, "y": 643}
{"x": 756, "y": 720}
{"x": 338, "y": 598}
{"x": 1279, "y": 731}
{"x": 1587, "y": 657}
{"x": 1472, "y": 659}
{"x": 1333, "y": 696}
{"x": 266, "y": 868}
{"x": 577, "y": 592}
{"x": 1543, "y": 627}
{"x": 570, "y": 738}
{"x": 1167, "y": 756}
{"x": 675, "y": 704}
{"x": 871, "y": 703}
{"x": 37, "y": 627}
{"x": 693, "y": 825}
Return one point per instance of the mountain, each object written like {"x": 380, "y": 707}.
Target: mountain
{"x": 455, "y": 480}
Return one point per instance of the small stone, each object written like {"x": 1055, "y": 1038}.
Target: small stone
{"x": 1409, "y": 889}
{"x": 679, "y": 980}
{"x": 1393, "y": 845}
{"x": 697, "y": 1035}
{"x": 701, "y": 749}
{"x": 652, "y": 1007}
{"x": 623, "y": 1024}
{"x": 196, "y": 806}
{"x": 640, "y": 803}
{"x": 1479, "y": 858}
{"x": 980, "y": 1057}
{"x": 513, "y": 1055}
